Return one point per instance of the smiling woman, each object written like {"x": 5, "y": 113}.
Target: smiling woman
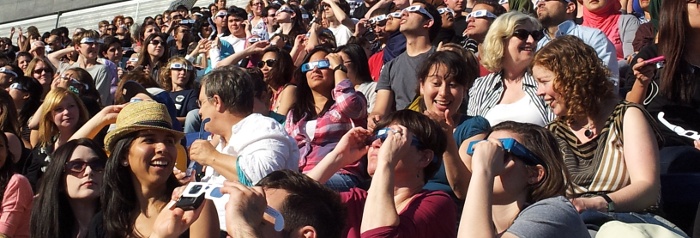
{"x": 509, "y": 93}
{"x": 140, "y": 169}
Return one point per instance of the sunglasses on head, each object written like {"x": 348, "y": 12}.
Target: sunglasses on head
{"x": 377, "y": 19}
{"x": 481, "y": 14}
{"x": 269, "y": 63}
{"x": 512, "y": 146}
{"x": 18, "y": 87}
{"x": 77, "y": 167}
{"x": 419, "y": 9}
{"x": 157, "y": 42}
{"x": 321, "y": 64}
{"x": 179, "y": 66}
{"x": 523, "y": 34}
{"x": 444, "y": 10}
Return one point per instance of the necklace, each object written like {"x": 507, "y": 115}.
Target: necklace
{"x": 589, "y": 133}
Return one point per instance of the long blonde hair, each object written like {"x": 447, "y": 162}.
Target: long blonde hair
{"x": 501, "y": 30}
{"x": 47, "y": 128}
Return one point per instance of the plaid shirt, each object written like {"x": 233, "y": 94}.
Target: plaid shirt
{"x": 348, "y": 111}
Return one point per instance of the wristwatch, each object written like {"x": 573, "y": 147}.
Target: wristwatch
{"x": 341, "y": 67}
{"x": 611, "y": 203}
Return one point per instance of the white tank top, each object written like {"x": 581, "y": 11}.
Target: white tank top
{"x": 523, "y": 110}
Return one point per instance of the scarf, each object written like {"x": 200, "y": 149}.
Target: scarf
{"x": 606, "y": 19}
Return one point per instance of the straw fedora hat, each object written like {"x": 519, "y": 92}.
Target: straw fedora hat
{"x": 138, "y": 116}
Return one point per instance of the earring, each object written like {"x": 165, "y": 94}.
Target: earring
{"x": 125, "y": 163}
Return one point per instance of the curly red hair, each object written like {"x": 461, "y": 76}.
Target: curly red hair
{"x": 581, "y": 78}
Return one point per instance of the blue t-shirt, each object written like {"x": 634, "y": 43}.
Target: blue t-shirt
{"x": 470, "y": 126}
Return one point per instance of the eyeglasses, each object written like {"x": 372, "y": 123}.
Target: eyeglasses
{"x": 199, "y": 104}
{"x": 523, "y": 34}
{"x": 269, "y": 63}
{"x": 677, "y": 129}
{"x": 419, "y": 9}
{"x": 321, "y": 64}
{"x": 394, "y": 15}
{"x": 377, "y": 19}
{"x": 482, "y": 14}
{"x": 444, "y": 10}
{"x": 157, "y": 42}
{"x": 111, "y": 28}
{"x": 179, "y": 66}
{"x": 18, "y": 87}
{"x": 77, "y": 167}
{"x": 383, "y": 133}
{"x": 257, "y": 4}
{"x": 512, "y": 146}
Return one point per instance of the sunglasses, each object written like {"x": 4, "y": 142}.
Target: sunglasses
{"x": 285, "y": 9}
{"x": 383, "y": 133}
{"x": 419, "y": 9}
{"x": 512, "y": 146}
{"x": 77, "y": 167}
{"x": 394, "y": 14}
{"x": 7, "y": 71}
{"x": 91, "y": 41}
{"x": 40, "y": 71}
{"x": 444, "y": 10}
{"x": 157, "y": 42}
{"x": 377, "y": 19}
{"x": 321, "y": 64}
{"x": 18, "y": 87}
{"x": 111, "y": 28}
{"x": 523, "y": 34}
{"x": 269, "y": 63}
{"x": 482, "y": 14}
{"x": 178, "y": 66}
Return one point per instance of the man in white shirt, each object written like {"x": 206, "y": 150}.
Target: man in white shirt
{"x": 250, "y": 145}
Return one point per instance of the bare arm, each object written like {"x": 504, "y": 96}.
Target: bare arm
{"x": 340, "y": 14}
{"x": 207, "y": 225}
{"x": 255, "y": 48}
{"x": 378, "y": 5}
{"x": 106, "y": 116}
{"x": 643, "y": 73}
{"x": 286, "y": 99}
{"x": 382, "y": 106}
{"x": 55, "y": 57}
{"x": 456, "y": 168}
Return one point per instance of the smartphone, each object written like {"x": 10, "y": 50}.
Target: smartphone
{"x": 193, "y": 196}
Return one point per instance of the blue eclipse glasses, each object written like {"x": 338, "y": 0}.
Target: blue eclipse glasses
{"x": 512, "y": 146}
{"x": 321, "y": 64}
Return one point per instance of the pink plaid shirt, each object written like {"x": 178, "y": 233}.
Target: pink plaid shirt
{"x": 348, "y": 111}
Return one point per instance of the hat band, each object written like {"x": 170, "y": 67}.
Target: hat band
{"x": 157, "y": 123}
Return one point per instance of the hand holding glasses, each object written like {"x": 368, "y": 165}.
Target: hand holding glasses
{"x": 512, "y": 146}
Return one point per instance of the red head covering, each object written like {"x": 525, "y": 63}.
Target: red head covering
{"x": 606, "y": 19}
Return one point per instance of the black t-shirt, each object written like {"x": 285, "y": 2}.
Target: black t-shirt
{"x": 460, "y": 25}
{"x": 96, "y": 228}
{"x": 185, "y": 101}
{"x": 684, "y": 117}
{"x": 360, "y": 11}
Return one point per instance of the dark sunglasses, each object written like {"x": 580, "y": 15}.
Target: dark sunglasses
{"x": 523, "y": 34}
{"x": 157, "y": 42}
{"x": 40, "y": 71}
{"x": 269, "y": 63}
{"x": 77, "y": 167}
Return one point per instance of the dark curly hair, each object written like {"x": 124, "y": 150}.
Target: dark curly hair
{"x": 580, "y": 76}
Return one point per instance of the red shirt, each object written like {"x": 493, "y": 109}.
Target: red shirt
{"x": 376, "y": 63}
{"x": 429, "y": 214}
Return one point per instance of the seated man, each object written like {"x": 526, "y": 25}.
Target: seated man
{"x": 309, "y": 209}
{"x": 250, "y": 145}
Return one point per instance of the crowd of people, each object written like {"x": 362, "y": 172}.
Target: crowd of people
{"x": 377, "y": 118}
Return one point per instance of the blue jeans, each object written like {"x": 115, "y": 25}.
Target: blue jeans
{"x": 342, "y": 182}
{"x": 193, "y": 121}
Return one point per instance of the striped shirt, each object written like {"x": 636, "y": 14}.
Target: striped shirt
{"x": 597, "y": 166}
{"x": 488, "y": 91}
